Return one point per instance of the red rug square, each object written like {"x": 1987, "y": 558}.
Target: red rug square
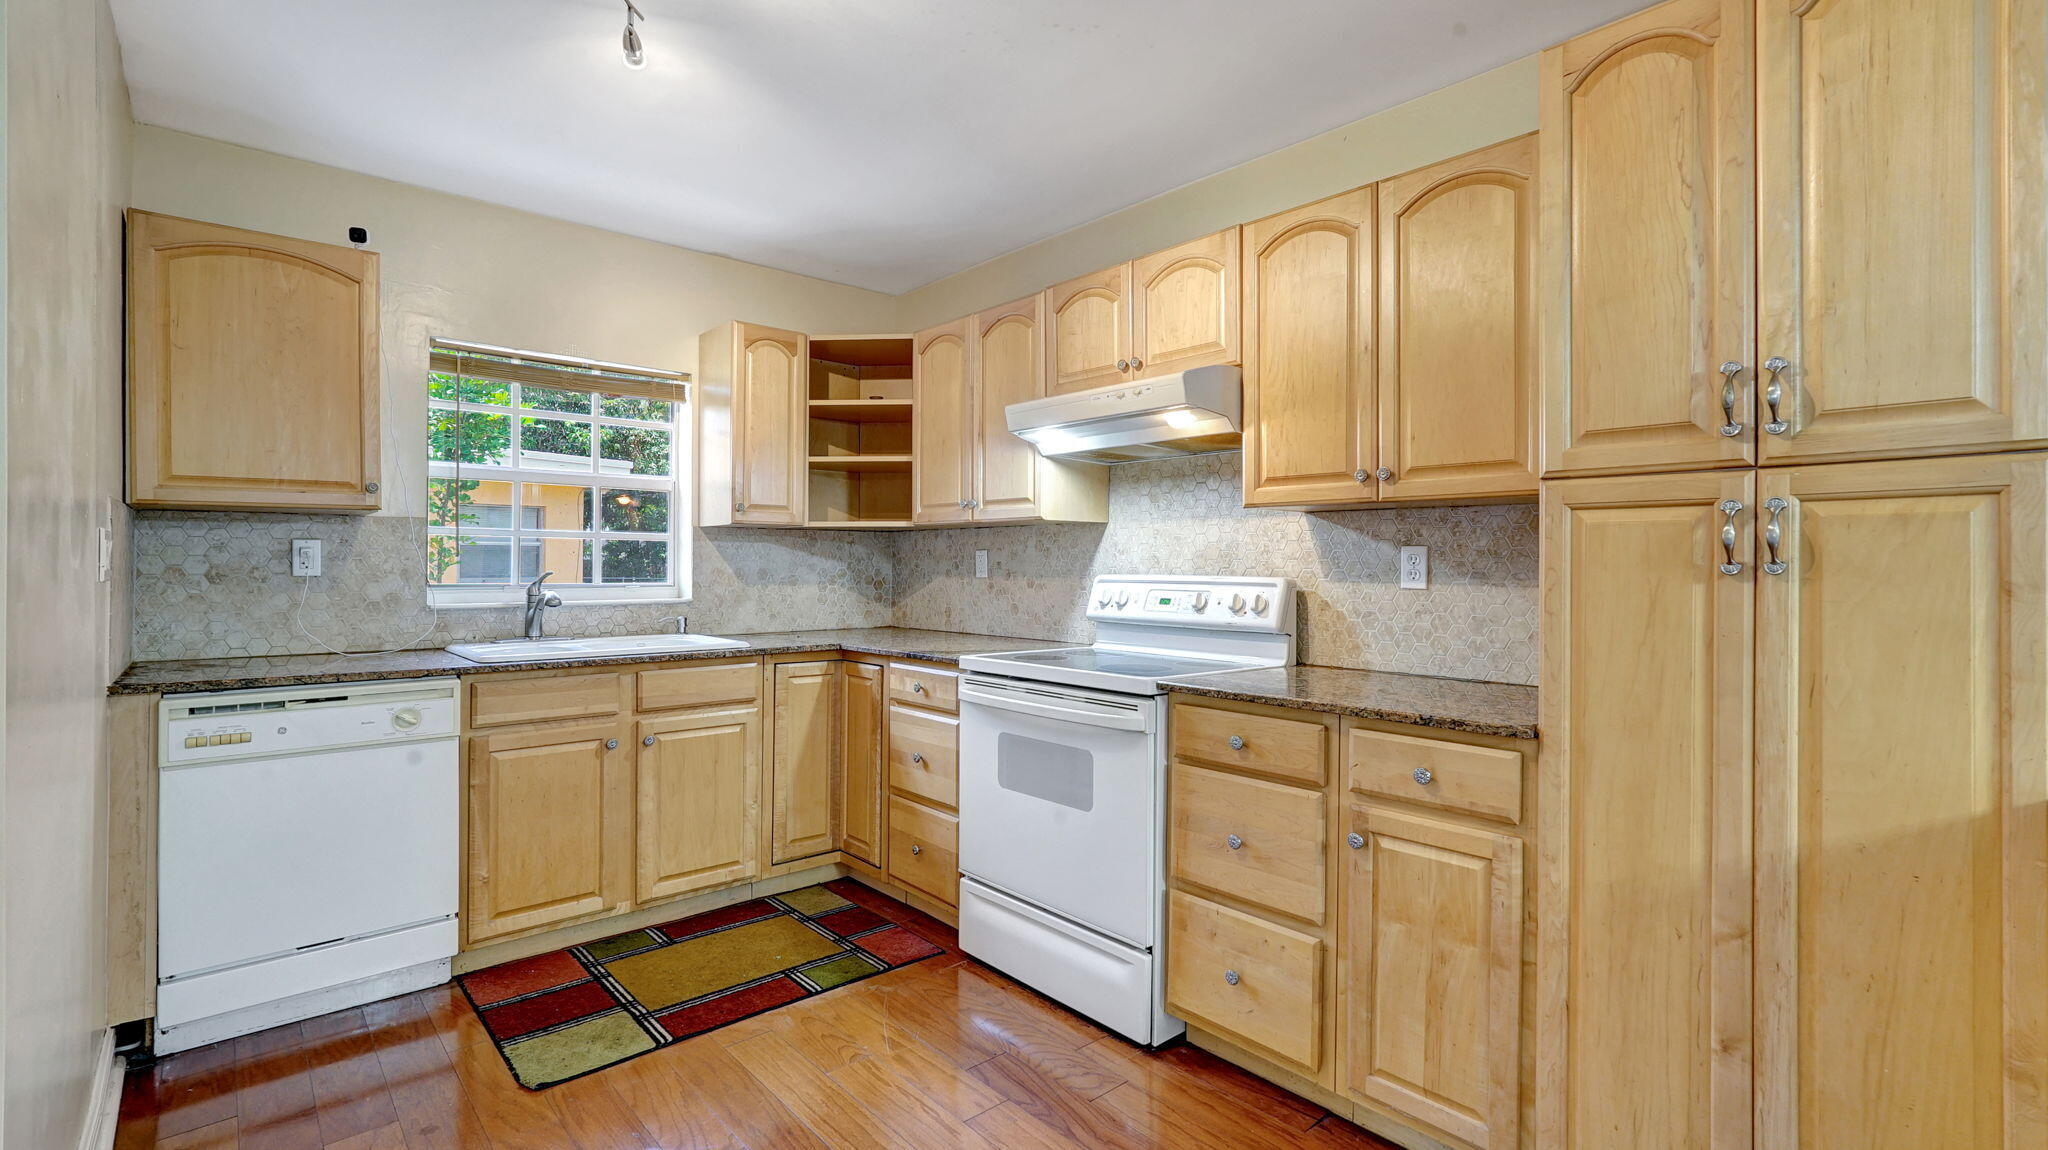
{"x": 498, "y": 983}
{"x": 897, "y": 946}
{"x": 851, "y": 921}
{"x": 733, "y": 915}
{"x": 684, "y": 1021}
{"x": 544, "y": 1010}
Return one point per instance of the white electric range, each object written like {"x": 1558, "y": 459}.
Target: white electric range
{"x": 1063, "y": 783}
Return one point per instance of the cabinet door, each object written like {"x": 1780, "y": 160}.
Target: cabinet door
{"x": 1642, "y": 1019}
{"x": 1309, "y": 411}
{"x": 1649, "y": 238}
{"x": 1457, "y": 330}
{"x": 217, "y": 317}
{"x": 1007, "y": 344}
{"x": 699, "y": 785}
{"x": 805, "y": 750}
{"x": 1904, "y": 221}
{"x": 769, "y": 416}
{"x": 549, "y": 812}
{"x": 1088, "y": 331}
{"x": 1433, "y": 954}
{"x": 942, "y": 427}
{"x": 1902, "y": 806}
{"x": 1184, "y": 305}
{"x": 860, "y": 761}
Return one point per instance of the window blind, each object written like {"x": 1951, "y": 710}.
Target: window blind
{"x": 480, "y": 361}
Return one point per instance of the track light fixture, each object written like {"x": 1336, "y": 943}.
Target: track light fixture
{"x": 636, "y": 53}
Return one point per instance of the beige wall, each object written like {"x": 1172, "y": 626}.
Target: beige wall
{"x": 1485, "y": 109}
{"x": 67, "y": 152}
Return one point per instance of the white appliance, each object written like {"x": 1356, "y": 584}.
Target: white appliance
{"x": 1063, "y": 782}
{"x": 1191, "y": 412}
{"x": 307, "y": 852}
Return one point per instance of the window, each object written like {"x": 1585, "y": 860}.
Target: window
{"x": 542, "y": 463}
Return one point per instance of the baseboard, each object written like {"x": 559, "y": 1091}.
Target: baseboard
{"x": 103, "y": 1107}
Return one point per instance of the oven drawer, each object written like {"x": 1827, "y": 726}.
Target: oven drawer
{"x": 1291, "y": 750}
{"x": 924, "y": 687}
{"x": 1485, "y": 781}
{"x": 1246, "y": 978}
{"x": 924, "y": 755}
{"x": 924, "y": 850}
{"x": 1255, "y": 840}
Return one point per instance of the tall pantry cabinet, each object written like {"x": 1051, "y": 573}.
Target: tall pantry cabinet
{"x": 1793, "y": 874}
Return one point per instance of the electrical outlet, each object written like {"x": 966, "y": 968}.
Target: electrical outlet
{"x": 981, "y": 563}
{"x": 1414, "y": 567}
{"x": 306, "y": 558}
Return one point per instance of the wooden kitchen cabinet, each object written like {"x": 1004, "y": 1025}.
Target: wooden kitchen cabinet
{"x": 698, "y": 782}
{"x": 1088, "y": 331}
{"x": 860, "y": 761}
{"x": 1310, "y": 405}
{"x": 1169, "y": 311}
{"x": 1457, "y": 328}
{"x": 752, "y": 426}
{"x": 1433, "y": 951}
{"x": 1649, "y": 242}
{"x": 922, "y": 768}
{"x": 1246, "y": 976}
{"x": 252, "y": 370}
{"x": 942, "y": 476}
{"x": 550, "y": 817}
{"x": 1012, "y": 482}
{"x": 803, "y": 758}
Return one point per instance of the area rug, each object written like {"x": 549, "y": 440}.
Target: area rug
{"x": 566, "y": 1013}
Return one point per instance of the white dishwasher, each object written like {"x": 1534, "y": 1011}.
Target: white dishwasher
{"x": 307, "y": 852}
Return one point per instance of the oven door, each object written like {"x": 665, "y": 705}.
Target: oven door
{"x": 1059, "y": 800}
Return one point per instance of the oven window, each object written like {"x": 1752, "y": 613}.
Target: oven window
{"x": 1055, "y": 772}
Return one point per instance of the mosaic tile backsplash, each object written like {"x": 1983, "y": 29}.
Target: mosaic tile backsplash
{"x": 217, "y": 584}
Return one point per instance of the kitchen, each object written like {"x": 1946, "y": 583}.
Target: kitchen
{"x": 1065, "y": 674}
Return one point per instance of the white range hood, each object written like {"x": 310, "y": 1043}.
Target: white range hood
{"x": 1191, "y": 412}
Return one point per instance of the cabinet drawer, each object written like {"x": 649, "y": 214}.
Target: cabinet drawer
{"x": 924, "y": 850}
{"x": 700, "y": 686}
{"x": 494, "y": 702}
{"x": 924, "y": 687}
{"x": 1290, "y": 750}
{"x": 1277, "y": 831}
{"x": 924, "y": 755}
{"x": 1484, "y": 781}
{"x": 1245, "y": 977}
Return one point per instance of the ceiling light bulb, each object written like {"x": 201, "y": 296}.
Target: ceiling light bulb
{"x": 636, "y": 53}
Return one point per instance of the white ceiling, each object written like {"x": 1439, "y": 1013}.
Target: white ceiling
{"x": 881, "y": 143}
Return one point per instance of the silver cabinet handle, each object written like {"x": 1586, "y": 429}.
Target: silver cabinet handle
{"x": 1136, "y": 363}
{"x": 739, "y": 507}
{"x": 1774, "y": 394}
{"x": 1356, "y": 840}
{"x": 1231, "y": 977}
{"x": 1423, "y": 776}
{"x": 611, "y": 744}
{"x": 1731, "y": 508}
{"x": 648, "y": 741}
{"x": 1729, "y": 371}
{"x": 1773, "y": 536}
{"x": 373, "y": 488}
{"x": 917, "y": 687}
{"x": 1123, "y": 365}
{"x": 1237, "y": 742}
{"x": 1236, "y": 843}
{"x": 963, "y": 504}
{"x": 1384, "y": 475}
{"x": 915, "y": 849}
{"x": 1361, "y": 475}
{"x": 916, "y": 758}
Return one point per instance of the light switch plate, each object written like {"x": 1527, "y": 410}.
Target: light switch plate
{"x": 981, "y": 563}
{"x": 1414, "y": 568}
{"x": 306, "y": 558}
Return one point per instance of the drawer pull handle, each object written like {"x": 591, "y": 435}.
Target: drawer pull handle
{"x": 916, "y": 758}
{"x": 1231, "y": 977}
{"x": 917, "y": 687}
{"x": 1356, "y": 840}
{"x": 648, "y": 741}
{"x": 611, "y": 744}
{"x": 1424, "y": 776}
{"x": 1237, "y": 742}
{"x": 915, "y": 849}
{"x": 1236, "y": 843}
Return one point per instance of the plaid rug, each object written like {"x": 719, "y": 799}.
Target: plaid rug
{"x": 563, "y": 1014}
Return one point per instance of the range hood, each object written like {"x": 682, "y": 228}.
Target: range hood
{"x": 1191, "y": 412}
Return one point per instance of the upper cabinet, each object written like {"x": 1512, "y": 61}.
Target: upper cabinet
{"x": 942, "y": 477}
{"x": 1649, "y": 242}
{"x": 752, "y": 383}
{"x": 252, "y": 370}
{"x": 1162, "y": 313}
{"x": 1457, "y": 327}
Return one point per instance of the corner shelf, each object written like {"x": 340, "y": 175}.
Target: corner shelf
{"x": 861, "y": 463}
{"x": 862, "y": 410}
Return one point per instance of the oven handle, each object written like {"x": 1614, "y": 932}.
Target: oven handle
{"x": 1046, "y": 705}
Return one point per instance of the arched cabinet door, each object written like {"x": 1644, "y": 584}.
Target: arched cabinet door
{"x": 1088, "y": 331}
{"x": 1184, "y": 306}
{"x": 768, "y": 408}
{"x": 942, "y": 486}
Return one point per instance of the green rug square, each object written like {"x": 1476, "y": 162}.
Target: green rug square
{"x": 619, "y": 944}
{"x": 694, "y": 967}
{"x": 577, "y": 1049}
{"x": 812, "y": 900}
{"x": 839, "y": 971}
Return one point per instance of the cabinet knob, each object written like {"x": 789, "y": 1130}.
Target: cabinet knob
{"x": 1231, "y": 977}
{"x": 916, "y": 758}
{"x": 1136, "y": 363}
{"x": 916, "y": 849}
{"x": 1355, "y": 840}
{"x": 1123, "y": 365}
{"x": 373, "y": 487}
{"x": 1384, "y": 475}
{"x": 917, "y": 687}
{"x": 1236, "y": 843}
{"x": 648, "y": 741}
{"x": 1423, "y": 776}
{"x": 611, "y": 744}
{"x": 739, "y": 507}
{"x": 1237, "y": 742}
{"x": 1361, "y": 475}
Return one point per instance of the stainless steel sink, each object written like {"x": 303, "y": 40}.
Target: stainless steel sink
{"x": 526, "y": 650}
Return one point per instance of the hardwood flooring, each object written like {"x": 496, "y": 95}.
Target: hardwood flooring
{"x": 945, "y": 1053}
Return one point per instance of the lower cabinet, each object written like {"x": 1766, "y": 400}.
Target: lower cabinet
{"x": 805, "y": 746}
{"x": 924, "y": 850}
{"x": 1244, "y": 975}
{"x": 923, "y": 781}
{"x": 549, "y": 826}
{"x": 860, "y": 761}
{"x": 698, "y": 776}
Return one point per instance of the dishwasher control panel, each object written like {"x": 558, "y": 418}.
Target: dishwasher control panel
{"x": 203, "y": 728}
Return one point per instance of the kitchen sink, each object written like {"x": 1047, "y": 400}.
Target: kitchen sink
{"x": 526, "y": 650}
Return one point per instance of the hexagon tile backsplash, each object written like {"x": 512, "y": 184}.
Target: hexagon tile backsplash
{"x": 216, "y": 584}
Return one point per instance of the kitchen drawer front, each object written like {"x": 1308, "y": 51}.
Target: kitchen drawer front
{"x": 495, "y": 702}
{"x": 1484, "y": 781}
{"x": 1255, "y": 840}
{"x": 1246, "y": 978}
{"x": 710, "y": 685}
{"x": 1291, "y": 750}
{"x": 924, "y": 850}
{"x": 924, "y": 687}
{"x": 924, "y": 755}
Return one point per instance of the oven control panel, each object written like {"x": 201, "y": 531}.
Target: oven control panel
{"x": 1225, "y": 603}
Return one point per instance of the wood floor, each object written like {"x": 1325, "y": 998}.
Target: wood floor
{"x": 941, "y": 1054}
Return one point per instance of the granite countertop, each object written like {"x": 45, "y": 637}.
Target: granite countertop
{"x": 1503, "y": 709}
{"x": 182, "y": 675}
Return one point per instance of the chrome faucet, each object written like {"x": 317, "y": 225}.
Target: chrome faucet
{"x": 538, "y": 600}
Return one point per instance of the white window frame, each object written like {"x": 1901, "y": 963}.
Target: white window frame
{"x": 515, "y": 474}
